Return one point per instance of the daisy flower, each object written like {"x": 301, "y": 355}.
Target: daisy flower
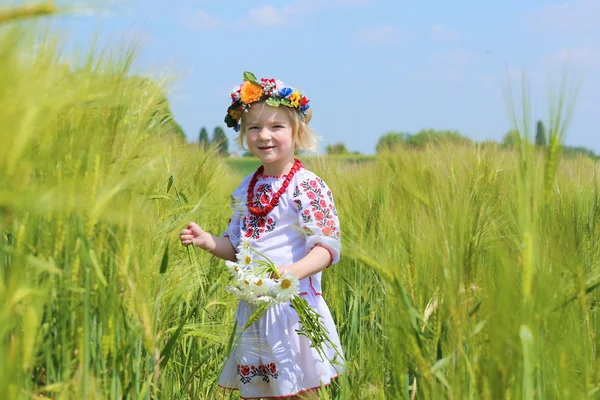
{"x": 261, "y": 286}
{"x": 234, "y": 269}
{"x": 245, "y": 287}
{"x": 244, "y": 257}
{"x": 244, "y": 244}
{"x": 287, "y": 287}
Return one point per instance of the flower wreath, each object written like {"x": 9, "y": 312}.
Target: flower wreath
{"x": 251, "y": 91}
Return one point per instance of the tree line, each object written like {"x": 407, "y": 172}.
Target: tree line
{"x": 392, "y": 141}
{"x": 219, "y": 140}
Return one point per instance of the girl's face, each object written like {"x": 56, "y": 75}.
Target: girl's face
{"x": 269, "y": 136}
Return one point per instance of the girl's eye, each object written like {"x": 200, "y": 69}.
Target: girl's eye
{"x": 278, "y": 126}
{"x": 252, "y": 127}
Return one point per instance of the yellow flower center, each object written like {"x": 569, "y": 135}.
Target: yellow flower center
{"x": 246, "y": 245}
{"x": 248, "y": 259}
{"x": 246, "y": 282}
{"x": 286, "y": 283}
{"x": 236, "y": 269}
{"x": 259, "y": 282}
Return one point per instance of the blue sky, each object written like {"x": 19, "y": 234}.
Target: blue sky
{"x": 368, "y": 66}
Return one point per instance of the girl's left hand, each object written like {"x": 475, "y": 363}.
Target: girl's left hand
{"x": 281, "y": 270}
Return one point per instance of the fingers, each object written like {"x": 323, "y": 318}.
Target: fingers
{"x": 186, "y": 237}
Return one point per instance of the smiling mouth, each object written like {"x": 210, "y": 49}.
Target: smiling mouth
{"x": 266, "y": 147}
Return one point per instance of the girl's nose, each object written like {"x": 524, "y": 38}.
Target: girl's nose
{"x": 263, "y": 134}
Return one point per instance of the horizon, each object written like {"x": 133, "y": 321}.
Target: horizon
{"x": 368, "y": 67}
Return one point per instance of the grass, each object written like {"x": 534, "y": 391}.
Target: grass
{"x": 248, "y": 165}
{"x": 467, "y": 272}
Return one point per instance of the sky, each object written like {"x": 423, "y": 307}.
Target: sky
{"x": 368, "y": 66}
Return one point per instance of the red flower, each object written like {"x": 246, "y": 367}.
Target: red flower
{"x": 249, "y": 232}
{"x": 327, "y": 231}
{"x": 330, "y": 223}
{"x": 264, "y": 199}
{"x": 313, "y": 184}
{"x": 261, "y": 222}
{"x": 270, "y": 221}
{"x": 319, "y": 216}
{"x": 311, "y": 195}
{"x": 261, "y": 188}
{"x": 304, "y": 101}
{"x": 244, "y": 370}
{"x": 323, "y": 203}
{"x": 306, "y": 212}
{"x": 272, "y": 368}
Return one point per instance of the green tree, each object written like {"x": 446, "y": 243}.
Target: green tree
{"x": 509, "y": 138}
{"x": 391, "y": 140}
{"x": 220, "y": 140}
{"x": 337, "y": 148}
{"x": 540, "y": 136}
{"x": 426, "y": 136}
{"x": 203, "y": 139}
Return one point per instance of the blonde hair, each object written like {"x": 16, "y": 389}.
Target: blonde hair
{"x": 303, "y": 136}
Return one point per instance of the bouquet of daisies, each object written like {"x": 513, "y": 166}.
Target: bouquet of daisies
{"x": 253, "y": 282}
{"x": 258, "y": 282}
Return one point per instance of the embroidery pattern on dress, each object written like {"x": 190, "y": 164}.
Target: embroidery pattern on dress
{"x": 266, "y": 371}
{"x": 254, "y": 226}
{"x": 321, "y": 211}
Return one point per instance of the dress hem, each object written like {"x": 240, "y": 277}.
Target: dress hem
{"x": 285, "y": 395}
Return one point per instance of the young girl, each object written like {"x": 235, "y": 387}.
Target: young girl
{"x": 288, "y": 214}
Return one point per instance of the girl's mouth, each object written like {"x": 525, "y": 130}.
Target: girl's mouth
{"x": 266, "y": 147}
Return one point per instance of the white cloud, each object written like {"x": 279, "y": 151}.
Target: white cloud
{"x": 573, "y": 16}
{"x": 378, "y": 34}
{"x": 441, "y": 33}
{"x": 271, "y": 16}
{"x": 266, "y": 16}
{"x": 201, "y": 20}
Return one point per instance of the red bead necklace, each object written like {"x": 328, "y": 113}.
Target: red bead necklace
{"x": 275, "y": 199}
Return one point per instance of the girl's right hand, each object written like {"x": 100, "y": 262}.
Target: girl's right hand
{"x": 192, "y": 234}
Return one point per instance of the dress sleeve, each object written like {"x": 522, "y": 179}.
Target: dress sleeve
{"x": 317, "y": 216}
{"x": 237, "y": 211}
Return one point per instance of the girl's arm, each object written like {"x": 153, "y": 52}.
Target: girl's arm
{"x": 216, "y": 245}
{"x": 314, "y": 262}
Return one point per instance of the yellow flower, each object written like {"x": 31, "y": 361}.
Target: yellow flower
{"x": 295, "y": 98}
{"x": 250, "y": 92}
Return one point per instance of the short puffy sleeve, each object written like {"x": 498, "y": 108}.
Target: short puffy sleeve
{"x": 317, "y": 215}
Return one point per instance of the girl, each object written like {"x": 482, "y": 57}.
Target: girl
{"x": 288, "y": 214}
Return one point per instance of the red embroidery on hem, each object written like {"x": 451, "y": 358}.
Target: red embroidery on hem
{"x": 266, "y": 371}
{"x": 287, "y": 395}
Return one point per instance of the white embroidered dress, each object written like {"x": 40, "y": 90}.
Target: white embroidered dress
{"x": 271, "y": 359}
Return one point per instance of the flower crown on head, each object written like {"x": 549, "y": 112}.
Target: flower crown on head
{"x": 251, "y": 91}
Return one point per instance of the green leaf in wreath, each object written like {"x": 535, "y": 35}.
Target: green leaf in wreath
{"x": 286, "y": 102}
{"x": 230, "y": 121}
{"x": 273, "y": 101}
{"x": 249, "y": 76}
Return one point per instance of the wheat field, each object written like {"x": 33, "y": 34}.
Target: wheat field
{"x": 468, "y": 272}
